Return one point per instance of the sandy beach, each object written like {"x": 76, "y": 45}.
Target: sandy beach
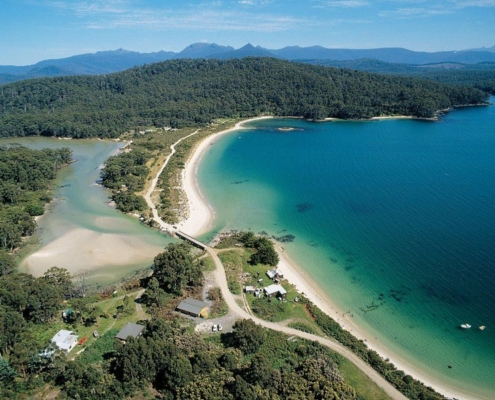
{"x": 201, "y": 214}
{"x": 200, "y": 220}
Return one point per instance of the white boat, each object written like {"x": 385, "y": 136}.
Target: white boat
{"x": 482, "y": 327}
{"x": 465, "y": 326}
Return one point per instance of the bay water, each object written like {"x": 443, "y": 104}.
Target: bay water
{"x": 394, "y": 219}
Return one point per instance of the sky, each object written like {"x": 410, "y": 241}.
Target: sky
{"x": 35, "y": 30}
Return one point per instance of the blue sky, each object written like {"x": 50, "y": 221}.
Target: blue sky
{"x": 34, "y": 30}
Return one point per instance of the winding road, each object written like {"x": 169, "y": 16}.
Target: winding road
{"x": 221, "y": 280}
{"x": 152, "y": 187}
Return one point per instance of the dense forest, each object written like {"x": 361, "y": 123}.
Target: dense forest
{"x": 480, "y": 76}
{"x": 182, "y": 93}
{"x": 25, "y": 181}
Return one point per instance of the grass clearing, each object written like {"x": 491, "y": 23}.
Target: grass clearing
{"x": 208, "y": 264}
{"x": 113, "y": 320}
{"x": 233, "y": 262}
{"x": 364, "y": 386}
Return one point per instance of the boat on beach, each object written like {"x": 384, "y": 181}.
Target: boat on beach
{"x": 465, "y": 326}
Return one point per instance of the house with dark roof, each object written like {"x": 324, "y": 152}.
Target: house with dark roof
{"x": 193, "y": 307}
{"x": 130, "y": 330}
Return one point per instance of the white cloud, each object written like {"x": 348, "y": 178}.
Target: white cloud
{"x": 94, "y": 7}
{"x": 415, "y": 12}
{"x": 254, "y": 2}
{"x": 474, "y": 3}
{"x": 344, "y": 3}
{"x": 100, "y": 14}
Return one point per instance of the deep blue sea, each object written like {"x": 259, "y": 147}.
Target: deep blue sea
{"x": 394, "y": 219}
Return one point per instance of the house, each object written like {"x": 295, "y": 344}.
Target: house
{"x": 193, "y": 307}
{"x": 130, "y": 330}
{"x": 275, "y": 290}
{"x": 65, "y": 340}
{"x": 249, "y": 289}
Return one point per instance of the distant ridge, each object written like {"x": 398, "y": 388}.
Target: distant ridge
{"x": 489, "y": 49}
{"x": 203, "y": 50}
{"x": 247, "y": 51}
{"x": 105, "y": 62}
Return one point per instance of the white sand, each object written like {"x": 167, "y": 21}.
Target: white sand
{"x": 85, "y": 249}
{"x": 201, "y": 216}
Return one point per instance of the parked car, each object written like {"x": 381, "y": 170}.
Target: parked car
{"x": 220, "y": 327}
{"x": 214, "y": 328}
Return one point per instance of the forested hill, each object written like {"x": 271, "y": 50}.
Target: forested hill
{"x": 193, "y": 92}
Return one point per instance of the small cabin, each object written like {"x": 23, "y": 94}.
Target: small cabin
{"x": 271, "y": 273}
{"x": 249, "y": 289}
{"x": 193, "y": 307}
{"x": 130, "y": 330}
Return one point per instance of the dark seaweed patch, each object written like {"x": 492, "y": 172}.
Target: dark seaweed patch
{"x": 284, "y": 238}
{"x": 302, "y": 207}
{"x": 450, "y": 296}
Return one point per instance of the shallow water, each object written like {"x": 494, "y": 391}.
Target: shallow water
{"x": 81, "y": 205}
{"x": 394, "y": 219}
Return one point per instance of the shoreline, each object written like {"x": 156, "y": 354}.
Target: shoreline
{"x": 201, "y": 219}
{"x": 201, "y": 214}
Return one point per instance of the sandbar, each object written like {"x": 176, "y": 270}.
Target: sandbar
{"x": 84, "y": 249}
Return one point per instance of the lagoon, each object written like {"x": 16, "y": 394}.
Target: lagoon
{"x": 80, "y": 230}
{"x": 394, "y": 219}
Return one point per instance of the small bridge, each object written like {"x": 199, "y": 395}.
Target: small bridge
{"x": 191, "y": 240}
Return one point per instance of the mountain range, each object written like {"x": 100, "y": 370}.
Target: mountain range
{"x": 104, "y": 62}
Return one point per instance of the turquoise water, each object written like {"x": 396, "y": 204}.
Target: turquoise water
{"x": 394, "y": 219}
{"x": 82, "y": 204}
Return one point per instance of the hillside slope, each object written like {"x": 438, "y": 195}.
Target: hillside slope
{"x": 193, "y": 92}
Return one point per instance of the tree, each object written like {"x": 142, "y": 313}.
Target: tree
{"x": 259, "y": 371}
{"x": 12, "y": 327}
{"x": 81, "y": 277}
{"x": 154, "y": 296}
{"x": 247, "y": 336}
{"x": 7, "y": 265}
{"x": 178, "y": 372}
{"x": 265, "y": 250}
{"x": 175, "y": 268}
{"x": 61, "y": 279}
{"x": 7, "y": 373}
{"x": 265, "y": 253}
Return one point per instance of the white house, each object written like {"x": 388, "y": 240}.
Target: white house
{"x": 275, "y": 290}
{"x": 65, "y": 340}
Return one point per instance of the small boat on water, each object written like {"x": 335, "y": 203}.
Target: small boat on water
{"x": 482, "y": 327}
{"x": 465, "y": 326}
